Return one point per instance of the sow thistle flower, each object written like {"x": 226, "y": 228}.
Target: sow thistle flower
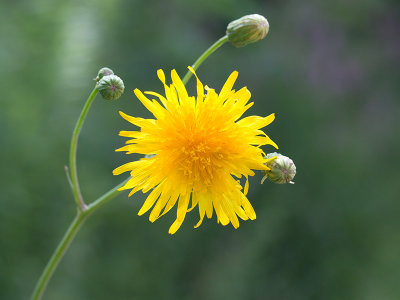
{"x": 196, "y": 151}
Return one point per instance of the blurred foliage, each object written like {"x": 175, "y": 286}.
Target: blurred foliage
{"x": 328, "y": 69}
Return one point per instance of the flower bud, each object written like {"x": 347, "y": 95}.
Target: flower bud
{"x": 282, "y": 168}
{"x": 111, "y": 87}
{"x": 246, "y": 30}
{"x": 103, "y": 72}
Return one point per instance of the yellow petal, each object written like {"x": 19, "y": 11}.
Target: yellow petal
{"x": 229, "y": 211}
{"x": 175, "y": 226}
{"x": 132, "y": 134}
{"x": 228, "y": 85}
{"x": 180, "y": 88}
{"x": 151, "y": 199}
{"x": 183, "y": 206}
{"x": 155, "y": 213}
{"x": 202, "y": 212}
{"x": 199, "y": 85}
{"x": 240, "y": 212}
{"x": 195, "y": 201}
{"x": 256, "y": 122}
{"x": 124, "y": 168}
{"x": 160, "y": 97}
{"x": 140, "y": 122}
{"x": 222, "y": 217}
{"x": 161, "y": 75}
{"x": 154, "y": 107}
{"x": 248, "y": 208}
{"x": 246, "y": 186}
{"x": 171, "y": 202}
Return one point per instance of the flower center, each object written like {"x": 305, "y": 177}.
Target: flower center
{"x": 198, "y": 160}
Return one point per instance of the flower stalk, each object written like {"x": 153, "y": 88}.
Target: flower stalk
{"x": 203, "y": 57}
{"x": 72, "y": 152}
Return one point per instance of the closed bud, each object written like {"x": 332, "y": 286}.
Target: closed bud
{"x": 111, "y": 87}
{"x": 282, "y": 168}
{"x": 103, "y": 72}
{"x": 246, "y": 30}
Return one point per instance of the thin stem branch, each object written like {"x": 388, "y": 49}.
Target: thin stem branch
{"x": 202, "y": 57}
{"x": 105, "y": 198}
{"x": 72, "y": 152}
{"x": 68, "y": 177}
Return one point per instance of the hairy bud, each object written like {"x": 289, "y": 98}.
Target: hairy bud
{"x": 246, "y": 30}
{"x": 111, "y": 87}
{"x": 282, "y": 168}
{"x": 103, "y": 72}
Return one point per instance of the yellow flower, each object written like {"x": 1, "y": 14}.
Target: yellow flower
{"x": 195, "y": 149}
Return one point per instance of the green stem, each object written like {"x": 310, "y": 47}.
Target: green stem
{"x": 57, "y": 255}
{"x": 105, "y": 198}
{"x": 205, "y": 54}
{"x": 72, "y": 152}
{"x": 68, "y": 238}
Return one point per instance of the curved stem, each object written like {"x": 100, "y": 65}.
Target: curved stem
{"x": 72, "y": 152}
{"x": 202, "y": 57}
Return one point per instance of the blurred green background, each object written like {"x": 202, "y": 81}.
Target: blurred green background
{"x": 328, "y": 69}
